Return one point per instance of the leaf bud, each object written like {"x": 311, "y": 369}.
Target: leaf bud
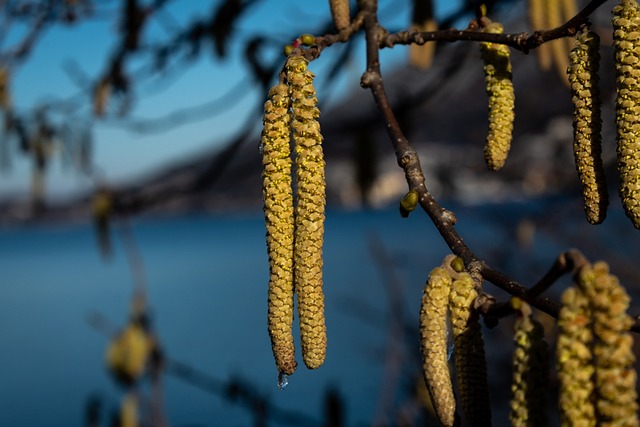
{"x": 408, "y": 203}
{"x": 308, "y": 39}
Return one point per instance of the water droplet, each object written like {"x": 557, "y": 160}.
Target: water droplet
{"x": 261, "y": 148}
{"x": 450, "y": 345}
{"x": 283, "y": 380}
{"x": 450, "y": 350}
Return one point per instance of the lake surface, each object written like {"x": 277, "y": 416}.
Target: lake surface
{"x": 207, "y": 278}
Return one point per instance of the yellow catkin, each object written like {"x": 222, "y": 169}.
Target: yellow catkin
{"x": 422, "y": 19}
{"x": 615, "y": 377}
{"x": 278, "y": 209}
{"x": 538, "y": 21}
{"x": 128, "y": 353}
{"x": 469, "y": 356}
{"x": 433, "y": 343}
{"x": 309, "y": 214}
{"x": 575, "y": 361}
{"x": 626, "y": 31}
{"x": 497, "y": 70}
{"x": 421, "y": 56}
{"x": 559, "y": 47}
{"x": 340, "y": 13}
{"x": 129, "y": 410}
{"x": 530, "y": 370}
{"x": 587, "y": 124}
{"x": 569, "y": 9}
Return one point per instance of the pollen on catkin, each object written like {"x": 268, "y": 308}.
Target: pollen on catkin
{"x": 575, "y": 361}
{"x": 584, "y": 60}
{"x": 497, "y": 70}
{"x": 309, "y": 213}
{"x": 469, "y": 355}
{"x": 530, "y": 370}
{"x": 615, "y": 377}
{"x": 433, "y": 344}
{"x": 278, "y": 210}
{"x": 626, "y": 32}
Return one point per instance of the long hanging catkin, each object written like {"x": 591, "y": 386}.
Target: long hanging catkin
{"x": 626, "y": 32}
{"x": 575, "y": 360}
{"x": 309, "y": 214}
{"x": 469, "y": 356}
{"x": 433, "y": 343}
{"x": 278, "y": 210}
{"x": 584, "y": 60}
{"x": 530, "y": 370}
{"x": 497, "y": 70}
{"x": 615, "y": 377}
{"x": 538, "y": 20}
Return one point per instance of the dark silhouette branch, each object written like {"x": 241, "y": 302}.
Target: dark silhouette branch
{"x": 233, "y": 390}
{"x": 520, "y": 41}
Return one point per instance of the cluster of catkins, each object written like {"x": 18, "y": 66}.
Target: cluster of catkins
{"x": 450, "y": 292}
{"x": 594, "y": 352}
{"x": 545, "y": 15}
{"x": 294, "y": 232}
{"x": 582, "y": 72}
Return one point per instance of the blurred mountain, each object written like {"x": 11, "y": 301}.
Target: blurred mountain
{"x": 443, "y": 112}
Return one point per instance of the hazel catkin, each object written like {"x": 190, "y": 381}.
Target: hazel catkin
{"x": 575, "y": 360}
{"x": 309, "y": 213}
{"x": 626, "y": 31}
{"x": 530, "y": 370}
{"x": 497, "y": 70}
{"x": 433, "y": 344}
{"x": 469, "y": 355}
{"x": 538, "y": 21}
{"x": 615, "y": 377}
{"x": 584, "y": 60}
{"x": 278, "y": 209}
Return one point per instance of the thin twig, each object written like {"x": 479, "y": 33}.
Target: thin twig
{"x": 520, "y": 41}
{"x": 408, "y": 160}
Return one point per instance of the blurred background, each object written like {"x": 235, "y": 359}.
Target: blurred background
{"x": 130, "y": 193}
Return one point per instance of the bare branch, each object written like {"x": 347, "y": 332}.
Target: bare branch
{"x": 520, "y": 41}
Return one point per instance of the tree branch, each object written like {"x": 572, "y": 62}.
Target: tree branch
{"x": 407, "y": 157}
{"x": 520, "y": 41}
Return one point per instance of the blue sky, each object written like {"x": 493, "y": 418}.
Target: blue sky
{"x": 122, "y": 155}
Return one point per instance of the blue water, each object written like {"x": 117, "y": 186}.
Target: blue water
{"x": 207, "y": 279}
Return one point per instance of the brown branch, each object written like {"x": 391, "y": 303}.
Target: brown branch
{"x": 566, "y": 262}
{"x": 407, "y": 157}
{"x": 520, "y": 41}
